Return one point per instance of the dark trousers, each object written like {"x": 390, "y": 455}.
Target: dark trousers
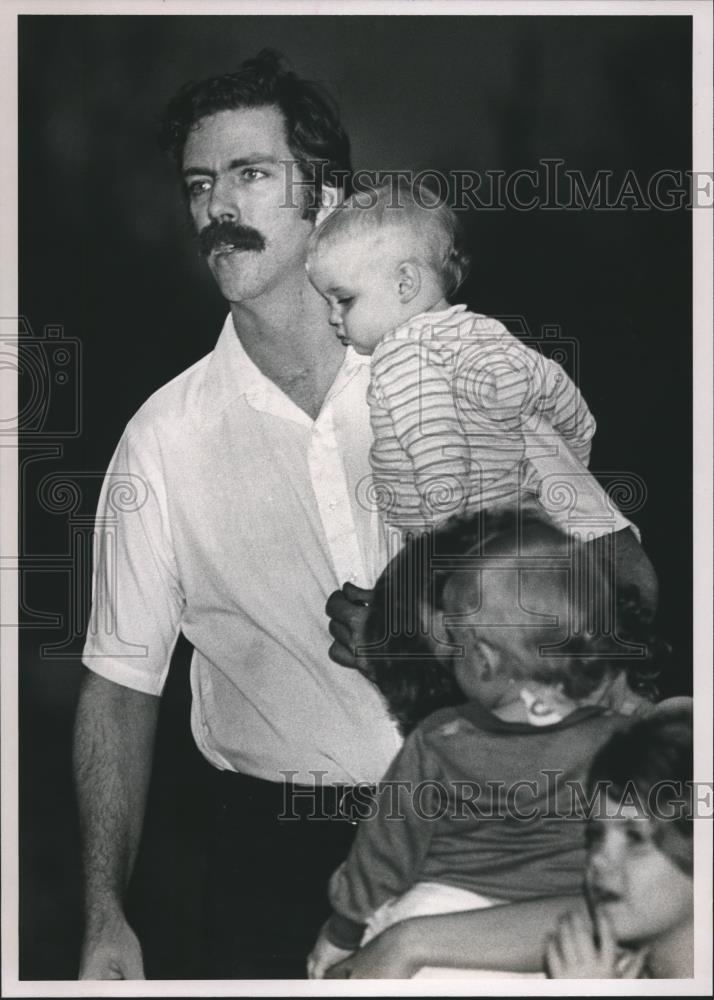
{"x": 266, "y": 891}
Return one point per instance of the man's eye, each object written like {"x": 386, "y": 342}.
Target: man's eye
{"x": 253, "y": 173}
{"x": 196, "y": 188}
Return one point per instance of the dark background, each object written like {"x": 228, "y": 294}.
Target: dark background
{"x": 105, "y": 252}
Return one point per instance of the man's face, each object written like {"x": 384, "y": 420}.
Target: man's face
{"x": 638, "y": 887}
{"x": 362, "y": 290}
{"x": 235, "y": 178}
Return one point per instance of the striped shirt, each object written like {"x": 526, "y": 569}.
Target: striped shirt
{"x": 465, "y": 417}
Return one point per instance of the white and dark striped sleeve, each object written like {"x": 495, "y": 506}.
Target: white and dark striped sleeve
{"x": 570, "y": 414}
{"x": 416, "y": 389}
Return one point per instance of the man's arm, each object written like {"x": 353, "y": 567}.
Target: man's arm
{"x": 512, "y": 937}
{"x": 114, "y": 735}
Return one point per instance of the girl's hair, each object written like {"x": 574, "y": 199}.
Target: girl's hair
{"x": 426, "y": 228}
{"x": 413, "y": 669}
{"x": 654, "y": 756}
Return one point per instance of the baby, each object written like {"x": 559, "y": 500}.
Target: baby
{"x": 482, "y": 819}
{"x": 464, "y": 416}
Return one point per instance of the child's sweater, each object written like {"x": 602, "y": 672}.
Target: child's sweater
{"x": 471, "y": 801}
{"x": 465, "y": 417}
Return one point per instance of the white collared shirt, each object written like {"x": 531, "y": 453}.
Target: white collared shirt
{"x": 228, "y": 514}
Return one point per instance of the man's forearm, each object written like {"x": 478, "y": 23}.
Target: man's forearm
{"x": 113, "y": 751}
{"x": 511, "y": 937}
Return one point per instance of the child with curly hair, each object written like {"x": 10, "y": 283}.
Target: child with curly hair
{"x": 511, "y": 625}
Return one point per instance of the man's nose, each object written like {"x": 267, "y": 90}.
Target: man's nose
{"x": 222, "y": 205}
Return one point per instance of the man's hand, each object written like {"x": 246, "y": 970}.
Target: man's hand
{"x": 111, "y": 951}
{"x": 323, "y": 956}
{"x": 581, "y": 950}
{"x": 385, "y": 957}
{"x": 347, "y": 610}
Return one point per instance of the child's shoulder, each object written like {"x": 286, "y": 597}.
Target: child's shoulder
{"x": 444, "y": 723}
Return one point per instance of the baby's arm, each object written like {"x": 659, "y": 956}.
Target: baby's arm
{"x": 415, "y": 388}
{"x": 511, "y": 937}
{"x": 569, "y": 414}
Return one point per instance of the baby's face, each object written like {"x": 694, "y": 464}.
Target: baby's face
{"x": 362, "y": 291}
{"x": 637, "y": 886}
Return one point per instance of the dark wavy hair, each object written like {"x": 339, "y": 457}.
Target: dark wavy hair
{"x": 313, "y": 130}
{"x": 415, "y": 675}
{"x": 654, "y": 754}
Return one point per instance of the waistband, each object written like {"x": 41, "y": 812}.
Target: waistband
{"x": 286, "y": 800}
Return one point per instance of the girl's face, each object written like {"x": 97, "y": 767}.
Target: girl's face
{"x": 638, "y": 887}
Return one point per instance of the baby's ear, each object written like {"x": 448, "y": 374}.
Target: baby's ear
{"x": 409, "y": 278}
{"x": 330, "y": 199}
{"x": 481, "y": 656}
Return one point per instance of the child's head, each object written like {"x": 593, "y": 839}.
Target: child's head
{"x": 640, "y": 854}
{"x": 384, "y": 256}
{"x": 498, "y": 608}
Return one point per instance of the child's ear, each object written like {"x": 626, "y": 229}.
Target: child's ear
{"x": 330, "y": 198}
{"x": 481, "y": 657}
{"x": 409, "y": 279}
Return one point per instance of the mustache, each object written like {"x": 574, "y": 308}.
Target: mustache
{"x": 229, "y": 235}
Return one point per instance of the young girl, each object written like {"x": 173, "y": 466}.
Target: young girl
{"x": 478, "y": 809}
{"x": 637, "y": 919}
{"x": 639, "y": 879}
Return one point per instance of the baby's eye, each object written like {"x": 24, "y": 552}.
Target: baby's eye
{"x": 345, "y": 300}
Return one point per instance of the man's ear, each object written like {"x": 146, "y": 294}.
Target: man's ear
{"x": 409, "y": 278}
{"x": 330, "y": 198}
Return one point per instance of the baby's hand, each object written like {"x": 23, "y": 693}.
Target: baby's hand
{"x": 323, "y": 956}
{"x": 573, "y": 951}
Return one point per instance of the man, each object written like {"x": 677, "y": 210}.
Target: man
{"x": 230, "y": 512}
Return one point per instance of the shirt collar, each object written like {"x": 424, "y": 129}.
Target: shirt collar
{"x": 484, "y": 719}
{"x": 426, "y": 320}
{"x": 231, "y": 374}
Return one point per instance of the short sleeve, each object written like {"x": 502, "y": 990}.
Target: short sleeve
{"x": 137, "y": 600}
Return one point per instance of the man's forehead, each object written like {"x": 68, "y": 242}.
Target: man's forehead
{"x": 238, "y": 133}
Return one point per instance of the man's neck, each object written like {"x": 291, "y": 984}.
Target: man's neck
{"x": 286, "y": 335}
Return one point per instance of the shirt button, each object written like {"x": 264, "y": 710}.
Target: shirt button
{"x": 332, "y": 504}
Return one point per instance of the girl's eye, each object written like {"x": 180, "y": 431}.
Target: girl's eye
{"x": 593, "y": 834}
{"x": 636, "y": 838}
